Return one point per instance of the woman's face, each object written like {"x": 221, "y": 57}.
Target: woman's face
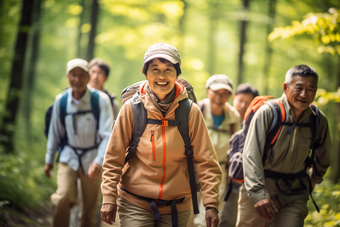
{"x": 161, "y": 77}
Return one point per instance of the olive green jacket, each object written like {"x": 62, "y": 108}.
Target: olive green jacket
{"x": 288, "y": 155}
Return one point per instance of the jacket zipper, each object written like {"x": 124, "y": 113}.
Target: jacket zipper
{"x": 164, "y": 155}
{"x": 152, "y": 140}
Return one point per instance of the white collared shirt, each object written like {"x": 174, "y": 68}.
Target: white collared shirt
{"x": 85, "y": 130}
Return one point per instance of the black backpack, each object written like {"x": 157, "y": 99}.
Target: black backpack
{"x": 131, "y": 93}
{"x": 235, "y": 151}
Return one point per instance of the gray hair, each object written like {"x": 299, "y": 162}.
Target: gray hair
{"x": 300, "y": 70}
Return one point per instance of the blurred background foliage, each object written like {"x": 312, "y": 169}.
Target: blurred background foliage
{"x": 254, "y": 41}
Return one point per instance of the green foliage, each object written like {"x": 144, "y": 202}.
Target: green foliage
{"x": 23, "y": 184}
{"x": 323, "y": 97}
{"x": 325, "y": 28}
{"x": 327, "y": 196}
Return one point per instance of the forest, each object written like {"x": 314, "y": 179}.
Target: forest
{"x": 254, "y": 41}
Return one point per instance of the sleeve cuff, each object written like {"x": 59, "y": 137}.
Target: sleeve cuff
{"x": 258, "y": 195}
{"x": 109, "y": 199}
{"x": 49, "y": 158}
{"x": 99, "y": 160}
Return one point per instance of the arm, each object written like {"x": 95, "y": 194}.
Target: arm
{"x": 115, "y": 153}
{"x": 55, "y": 133}
{"x": 105, "y": 127}
{"x": 205, "y": 159}
{"x": 254, "y": 179}
{"x": 114, "y": 161}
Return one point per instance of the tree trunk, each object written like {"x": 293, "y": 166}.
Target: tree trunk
{"x": 17, "y": 71}
{"x": 79, "y": 46}
{"x": 336, "y": 141}
{"x": 181, "y": 26}
{"x": 16, "y": 79}
{"x": 269, "y": 50}
{"x": 212, "y": 37}
{"x": 94, "y": 18}
{"x": 243, "y": 26}
{"x": 31, "y": 67}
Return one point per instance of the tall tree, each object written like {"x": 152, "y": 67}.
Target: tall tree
{"x": 213, "y": 17}
{"x": 80, "y": 34}
{"x": 243, "y": 26}
{"x": 31, "y": 67}
{"x": 16, "y": 77}
{"x": 269, "y": 50}
{"x": 94, "y": 19}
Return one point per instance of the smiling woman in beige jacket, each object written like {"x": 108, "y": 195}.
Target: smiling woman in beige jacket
{"x": 158, "y": 169}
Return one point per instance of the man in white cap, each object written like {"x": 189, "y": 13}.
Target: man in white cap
{"x": 80, "y": 128}
{"x": 222, "y": 121}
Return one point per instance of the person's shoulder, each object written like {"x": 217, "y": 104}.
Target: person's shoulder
{"x": 323, "y": 117}
{"x": 232, "y": 110}
{"x": 263, "y": 111}
{"x": 61, "y": 94}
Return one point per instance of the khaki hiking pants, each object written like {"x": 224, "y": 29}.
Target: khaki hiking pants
{"x": 292, "y": 215}
{"x": 66, "y": 196}
{"x": 131, "y": 215}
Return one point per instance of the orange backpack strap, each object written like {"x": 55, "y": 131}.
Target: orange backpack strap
{"x": 275, "y": 127}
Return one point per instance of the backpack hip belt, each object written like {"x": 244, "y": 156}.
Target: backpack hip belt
{"x": 292, "y": 176}
{"x": 84, "y": 150}
{"x": 161, "y": 202}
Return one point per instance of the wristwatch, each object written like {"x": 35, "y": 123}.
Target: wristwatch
{"x": 207, "y": 208}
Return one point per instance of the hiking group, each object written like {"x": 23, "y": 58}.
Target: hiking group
{"x": 167, "y": 160}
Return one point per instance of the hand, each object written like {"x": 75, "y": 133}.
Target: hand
{"x": 211, "y": 218}
{"x": 94, "y": 170}
{"x": 48, "y": 168}
{"x": 108, "y": 213}
{"x": 266, "y": 208}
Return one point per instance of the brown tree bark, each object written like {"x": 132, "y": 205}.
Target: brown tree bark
{"x": 94, "y": 19}
{"x": 31, "y": 67}
{"x": 243, "y": 26}
{"x": 16, "y": 78}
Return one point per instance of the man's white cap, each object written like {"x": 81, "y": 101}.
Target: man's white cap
{"x": 163, "y": 50}
{"x": 77, "y": 62}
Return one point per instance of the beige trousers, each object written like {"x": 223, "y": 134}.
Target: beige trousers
{"x": 131, "y": 215}
{"x": 292, "y": 215}
{"x": 66, "y": 196}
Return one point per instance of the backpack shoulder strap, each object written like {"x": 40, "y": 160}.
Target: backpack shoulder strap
{"x": 62, "y": 108}
{"x": 140, "y": 122}
{"x": 95, "y": 106}
{"x": 182, "y": 115}
{"x": 315, "y": 123}
{"x": 275, "y": 127}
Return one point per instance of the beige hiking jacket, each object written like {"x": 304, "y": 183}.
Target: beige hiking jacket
{"x": 230, "y": 125}
{"x": 159, "y": 169}
{"x": 288, "y": 155}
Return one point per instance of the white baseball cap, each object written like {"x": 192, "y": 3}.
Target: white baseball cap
{"x": 77, "y": 62}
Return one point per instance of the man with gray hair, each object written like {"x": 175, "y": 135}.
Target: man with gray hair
{"x": 80, "y": 128}
{"x": 276, "y": 184}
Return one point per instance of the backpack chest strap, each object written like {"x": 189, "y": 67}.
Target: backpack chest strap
{"x": 164, "y": 122}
